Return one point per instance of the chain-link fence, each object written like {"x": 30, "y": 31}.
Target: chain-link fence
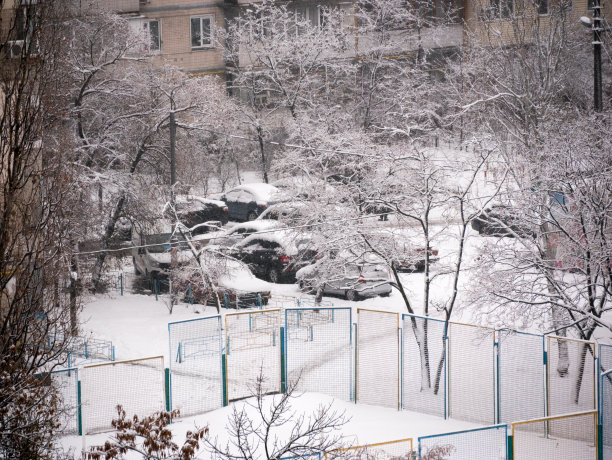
{"x": 562, "y": 437}
{"x": 424, "y": 365}
{"x": 392, "y": 450}
{"x": 196, "y": 383}
{"x": 520, "y": 375}
{"x": 471, "y": 374}
{"x": 137, "y": 385}
{"x": 378, "y": 376}
{"x": 253, "y": 349}
{"x": 571, "y": 375}
{"x": 605, "y": 399}
{"x": 66, "y": 382}
{"x": 319, "y": 350}
{"x": 489, "y": 443}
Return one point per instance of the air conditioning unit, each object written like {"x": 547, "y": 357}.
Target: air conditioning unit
{"x": 14, "y": 48}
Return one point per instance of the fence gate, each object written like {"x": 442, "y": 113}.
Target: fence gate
{"x": 320, "y": 350}
{"x": 520, "y": 362}
{"x": 471, "y": 379}
{"x": 196, "y": 383}
{"x": 566, "y": 437}
{"x": 66, "y": 382}
{"x": 424, "y": 365}
{"x": 137, "y": 385}
{"x": 570, "y": 375}
{"x": 253, "y": 348}
{"x": 378, "y": 358}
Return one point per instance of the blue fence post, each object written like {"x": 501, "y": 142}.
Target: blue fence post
{"x": 112, "y": 352}
{"x": 283, "y": 362}
{"x": 121, "y": 282}
{"x": 86, "y": 354}
{"x": 79, "y": 411}
{"x": 497, "y": 374}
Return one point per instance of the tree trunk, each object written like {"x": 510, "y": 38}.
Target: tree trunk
{"x": 104, "y": 244}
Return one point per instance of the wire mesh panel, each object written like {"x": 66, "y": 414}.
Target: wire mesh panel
{"x": 137, "y": 385}
{"x": 196, "y": 381}
{"x": 424, "y": 369}
{"x": 391, "y": 450}
{"x": 319, "y": 350}
{"x": 253, "y": 349}
{"x": 66, "y": 382}
{"x": 471, "y": 379}
{"x": 489, "y": 443}
{"x": 520, "y": 376}
{"x": 567, "y": 437}
{"x": 378, "y": 358}
{"x": 571, "y": 375}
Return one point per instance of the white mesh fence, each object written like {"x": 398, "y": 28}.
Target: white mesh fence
{"x": 471, "y": 378}
{"x": 401, "y": 449}
{"x": 253, "y": 348}
{"x": 378, "y": 358}
{"x": 488, "y": 443}
{"x": 424, "y": 367}
{"x": 605, "y": 397}
{"x": 319, "y": 350}
{"x": 66, "y": 382}
{"x": 196, "y": 383}
{"x": 521, "y": 376}
{"x": 571, "y": 375}
{"x": 568, "y": 437}
{"x": 138, "y": 386}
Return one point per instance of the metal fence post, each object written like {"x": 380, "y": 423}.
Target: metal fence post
{"x": 283, "y": 360}
{"x": 121, "y": 282}
{"x": 167, "y": 386}
{"x": 155, "y": 288}
{"x": 224, "y": 377}
{"x": 79, "y": 411}
{"x": 510, "y": 444}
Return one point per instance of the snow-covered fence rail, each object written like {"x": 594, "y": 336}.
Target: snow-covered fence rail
{"x": 196, "y": 379}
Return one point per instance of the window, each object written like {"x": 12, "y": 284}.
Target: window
{"x": 152, "y": 28}
{"x": 542, "y": 6}
{"x": 498, "y": 9}
{"x": 201, "y": 32}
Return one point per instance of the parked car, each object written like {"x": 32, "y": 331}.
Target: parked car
{"x": 414, "y": 261}
{"x": 229, "y": 237}
{"x": 368, "y": 277}
{"x": 275, "y": 256}
{"x": 247, "y": 201}
{"x": 151, "y": 253}
{"x": 499, "y": 220}
{"x": 193, "y": 211}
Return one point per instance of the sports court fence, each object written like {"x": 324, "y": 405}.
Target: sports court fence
{"x": 451, "y": 370}
{"x": 488, "y": 443}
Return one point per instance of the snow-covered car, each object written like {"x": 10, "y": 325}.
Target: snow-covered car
{"x": 198, "y": 213}
{"x": 274, "y": 255}
{"x": 247, "y": 201}
{"x": 368, "y": 277}
{"x": 151, "y": 253}
{"x": 499, "y": 220}
{"x": 229, "y": 237}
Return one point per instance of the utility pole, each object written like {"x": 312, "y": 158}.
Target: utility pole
{"x": 597, "y": 97}
{"x": 173, "y": 242}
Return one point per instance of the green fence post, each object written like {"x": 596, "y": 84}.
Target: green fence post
{"x": 224, "y": 377}
{"x": 121, "y": 281}
{"x": 600, "y": 441}
{"x": 168, "y": 397}
{"x": 510, "y": 444}
{"x": 283, "y": 362}
{"x": 79, "y": 413}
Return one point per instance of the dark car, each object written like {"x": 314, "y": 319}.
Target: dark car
{"x": 275, "y": 256}
{"x": 414, "y": 261}
{"x": 500, "y": 221}
{"x": 193, "y": 211}
{"x": 248, "y": 201}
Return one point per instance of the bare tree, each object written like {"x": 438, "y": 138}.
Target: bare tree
{"x": 35, "y": 320}
{"x": 268, "y": 427}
